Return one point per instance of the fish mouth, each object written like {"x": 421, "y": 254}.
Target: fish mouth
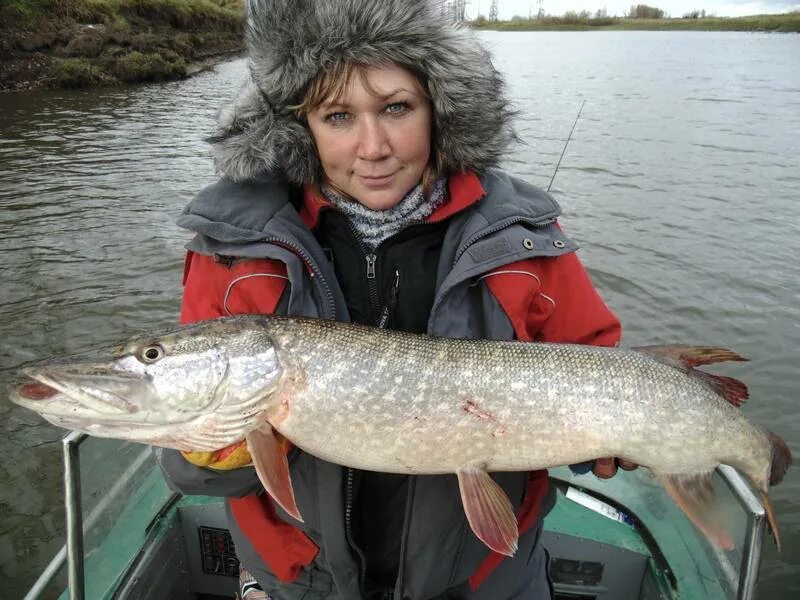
{"x": 62, "y": 391}
{"x": 94, "y": 404}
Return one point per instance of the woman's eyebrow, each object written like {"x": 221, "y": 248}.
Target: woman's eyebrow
{"x": 384, "y": 97}
{"x": 328, "y": 105}
{"x": 331, "y": 104}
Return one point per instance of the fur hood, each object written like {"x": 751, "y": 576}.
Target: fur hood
{"x": 290, "y": 41}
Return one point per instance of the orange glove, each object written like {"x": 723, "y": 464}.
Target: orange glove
{"x": 231, "y": 457}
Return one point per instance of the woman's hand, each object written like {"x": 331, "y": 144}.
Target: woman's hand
{"x": 605, "y": 468}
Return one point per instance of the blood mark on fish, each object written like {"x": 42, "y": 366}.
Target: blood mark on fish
{"x": 473, "y": 408}
{"x": 37, "y": 391}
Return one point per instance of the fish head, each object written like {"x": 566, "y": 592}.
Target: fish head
{"x": 199, "y": 387}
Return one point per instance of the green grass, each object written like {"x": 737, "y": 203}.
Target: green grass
{"x": 184, "y": 14}
{"x": 788, "y": 22}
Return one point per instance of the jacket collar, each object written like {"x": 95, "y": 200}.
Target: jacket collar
{"x": 464, "y": 189}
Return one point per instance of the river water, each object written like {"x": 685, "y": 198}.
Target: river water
{"x": 681, "y": 183}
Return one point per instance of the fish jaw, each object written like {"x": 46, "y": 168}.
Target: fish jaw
{"x": 94, "y": 389}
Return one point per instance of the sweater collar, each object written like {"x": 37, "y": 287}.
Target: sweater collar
{"x": 464, "y": 189}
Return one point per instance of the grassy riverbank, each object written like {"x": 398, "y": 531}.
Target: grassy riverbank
{"x": 789, "y": 22}
{"x": 83, "y": 43}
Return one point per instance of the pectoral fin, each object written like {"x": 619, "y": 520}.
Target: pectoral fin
{"x": 268, "y": 449}
{"x": 488, "y": 510}
{"x": 694, "y": 494}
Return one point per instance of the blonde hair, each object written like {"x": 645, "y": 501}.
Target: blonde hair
{"x": 333, "y": 82}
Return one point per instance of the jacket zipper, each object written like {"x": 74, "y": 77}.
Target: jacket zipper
{"x": 348, "y": 528}
{"x": 370, "y": 257}
{"x": 399, "y": 582}
{"x": 330, "y": 303}
{"x": 372, "y": 283}
{"x": 381, "y": 318}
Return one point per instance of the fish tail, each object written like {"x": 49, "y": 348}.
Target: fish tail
{"x": 780, "y": 463}
{"x": 781, "y": 458}
{"x": 773, "y": 522}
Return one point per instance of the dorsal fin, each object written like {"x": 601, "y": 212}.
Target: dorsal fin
{"x": 688, "y": 357}
{"x": 733, "y": 390}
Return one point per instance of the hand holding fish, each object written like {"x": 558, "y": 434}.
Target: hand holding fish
{"x": 605, "y": 468}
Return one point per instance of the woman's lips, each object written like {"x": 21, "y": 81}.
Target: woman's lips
{"x": 376, "y": 182}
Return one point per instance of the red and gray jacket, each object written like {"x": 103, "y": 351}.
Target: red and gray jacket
{"x": 506, "y": 271}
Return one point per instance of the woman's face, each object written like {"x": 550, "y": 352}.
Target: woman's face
{"x": 374, "y": 145}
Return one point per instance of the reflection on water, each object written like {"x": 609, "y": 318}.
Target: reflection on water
{"x": 680, "y": 183}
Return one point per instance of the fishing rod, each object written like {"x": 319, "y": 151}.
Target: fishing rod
{"x": 569, "y": 137}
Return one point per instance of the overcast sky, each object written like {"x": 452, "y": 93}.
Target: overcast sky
{"x": 674, "y": 8}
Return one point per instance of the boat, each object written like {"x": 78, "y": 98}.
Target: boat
{"x": 618, "y": 539}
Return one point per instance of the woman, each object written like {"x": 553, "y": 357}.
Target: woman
{"x": 358, "y": 185}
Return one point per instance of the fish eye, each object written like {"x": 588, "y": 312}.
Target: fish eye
{"x": 151, "y": 354}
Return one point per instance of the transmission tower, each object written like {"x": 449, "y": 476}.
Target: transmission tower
{"x": 493, "y": 11}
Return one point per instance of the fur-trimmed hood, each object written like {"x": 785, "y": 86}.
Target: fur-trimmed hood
{"x": 290, "y": 41}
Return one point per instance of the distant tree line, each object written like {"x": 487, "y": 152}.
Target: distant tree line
{"x": 637, "y": 11}
{"x": 457, "y": 11}
{"x": 643, "y": 11}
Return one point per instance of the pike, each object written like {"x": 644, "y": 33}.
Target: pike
{"x": 397, "y": 402}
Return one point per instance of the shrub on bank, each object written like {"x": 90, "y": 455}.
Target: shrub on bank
{"x": 79, "y": 73}
{"x": 137, "y": 66}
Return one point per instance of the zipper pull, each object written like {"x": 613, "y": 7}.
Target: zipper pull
{"x": 371, "y": 266}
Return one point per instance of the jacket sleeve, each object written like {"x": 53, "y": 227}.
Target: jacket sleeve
{"x": 553, "y": 300}
{"x": 212, "y": 289}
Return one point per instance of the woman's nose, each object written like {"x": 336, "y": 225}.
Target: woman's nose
{"x": 373, "y": 140}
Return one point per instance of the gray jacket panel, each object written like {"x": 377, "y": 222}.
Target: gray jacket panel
{"x": 514, "y": 222}
{"x": 256, "y": 220}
